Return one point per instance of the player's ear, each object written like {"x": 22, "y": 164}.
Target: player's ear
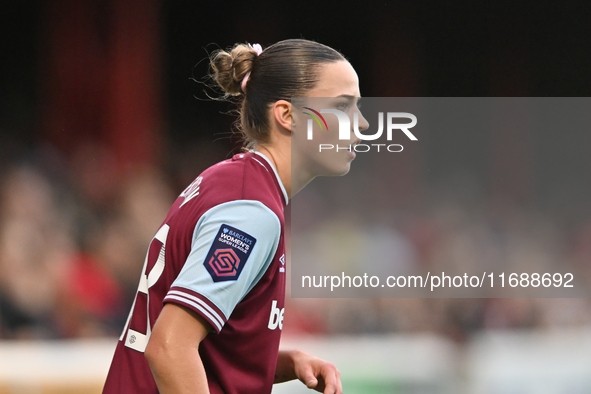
{"x": 282, "y": 114}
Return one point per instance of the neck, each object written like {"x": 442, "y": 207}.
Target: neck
{"x": 279, "y": 152}
{"x": 301, "y": 177}
{"x": 281, "y": 159}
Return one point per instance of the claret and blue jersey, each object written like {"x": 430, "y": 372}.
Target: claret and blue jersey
{"x": 221, "y": 253}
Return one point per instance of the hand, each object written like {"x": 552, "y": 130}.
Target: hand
{"x": 317, "y": 374}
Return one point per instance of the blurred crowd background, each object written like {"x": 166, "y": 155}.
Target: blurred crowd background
{"x": 105, "y": 118}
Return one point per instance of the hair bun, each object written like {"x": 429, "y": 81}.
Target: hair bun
{"x": 286, "y": 69}
{"x": 230, "y": 67}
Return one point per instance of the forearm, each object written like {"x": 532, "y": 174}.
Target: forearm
{"x": 285, "y": 370}
{"x": 178, "y": 370}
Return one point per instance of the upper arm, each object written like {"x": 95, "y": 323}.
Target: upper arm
{"x": 176, "y": 327}
{"x": 173, "y": 351}
{"x": 233, "y": 245}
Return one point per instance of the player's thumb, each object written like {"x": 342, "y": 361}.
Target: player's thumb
{"x": 311, "y": 382}
{"x": 309, "y": 379}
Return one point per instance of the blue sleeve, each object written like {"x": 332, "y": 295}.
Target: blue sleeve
{"x": 233, "y": 245}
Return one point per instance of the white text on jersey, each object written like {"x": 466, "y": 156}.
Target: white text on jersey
{"x": 191, "y": 191}
{"x": 276, "y": 318}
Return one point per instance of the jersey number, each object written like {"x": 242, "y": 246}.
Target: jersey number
{"x": 135, "y": 339}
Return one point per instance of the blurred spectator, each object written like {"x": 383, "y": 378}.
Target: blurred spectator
{"x": 71, "y": 251}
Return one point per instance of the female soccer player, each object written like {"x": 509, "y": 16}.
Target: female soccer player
{"x": 208, "y": 314}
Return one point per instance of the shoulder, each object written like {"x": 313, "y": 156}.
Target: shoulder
{"x": 243, "y": 177}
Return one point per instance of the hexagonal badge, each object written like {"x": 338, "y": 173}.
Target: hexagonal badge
{"x": 228, "y": 253}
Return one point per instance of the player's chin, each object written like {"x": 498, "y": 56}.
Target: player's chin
{"x": 343, "y": 169}
{"x": 346, "y": 172}
{"x": 338, "y": 165}
{"x": 346, "y": 167}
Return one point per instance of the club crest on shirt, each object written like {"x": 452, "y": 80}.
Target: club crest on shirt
{"x": 228, "y": 253}
{"x": 282, "y": 261}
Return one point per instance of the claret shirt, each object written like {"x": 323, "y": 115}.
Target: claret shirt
{"x": 221, "y": 253}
